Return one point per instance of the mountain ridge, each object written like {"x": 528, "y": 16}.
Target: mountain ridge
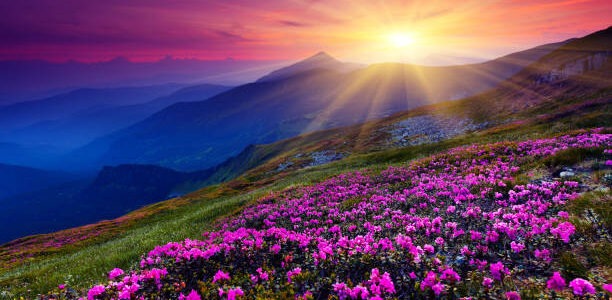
{"x": 306, "y": 101}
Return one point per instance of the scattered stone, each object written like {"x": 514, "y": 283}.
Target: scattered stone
{"x": 324, "y": 157}
{"x": 429, "y": 129}
{"x": 566, "y": 174}
{"x": 284, "y": 166}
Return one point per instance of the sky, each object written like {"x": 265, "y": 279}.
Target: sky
{"x": 367, "y": 31}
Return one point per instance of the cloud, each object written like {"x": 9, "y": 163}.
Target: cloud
{"x": 292, "y": 23}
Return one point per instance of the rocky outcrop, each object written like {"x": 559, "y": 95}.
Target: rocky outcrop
{"x": 429, "y": 129}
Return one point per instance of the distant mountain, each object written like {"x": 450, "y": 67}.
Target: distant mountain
{"x": 77, "y": 101}
{"x": 320, "y": 60}
{"x": 113, "y": 192}
{"x": 120, "y": 189}
{"x": 83, "y": 115}
{"x": 199, "y": 135}
{"x": 578, "y": 68}
{"x": 29, "y": 80}
{"x": 17, "y": 179}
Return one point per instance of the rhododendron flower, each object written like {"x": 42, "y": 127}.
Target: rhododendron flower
{"x": 556, "y": 282}
{"x": 114, "y": 273}
{"x": 581, "y": 287}
{"x": 262, "y": 275}
{"x": 220, "y": 275}
{"x": 513, "y": 296}
{"x": 543, "y": 254}
{"x": 95, "y": 291}
{"x": 517, "y": 247}
{"x": 233, "y": 293}
{"x": 61, "y": 286}
{"x": 430, "y": 279}
{"x": 383, "y": 281}
{"x": 450, "y": 275}
{"x": 607, "y": 287}
{"x": 193, "y": 295}
{"x": 294, "y": 272}
{"x": 492, "y": 236}
{"x": 497, "y": 270}
{"x": 563, "y": 231}
{"x": 359, "y": 291}
{"x": 276, "y": 248}
{"x": 438, "y": 288}
{"x": 487, "y": 282}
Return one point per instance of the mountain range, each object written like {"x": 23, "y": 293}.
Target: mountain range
{"x": 317, "y": 93}
{"x": 51, "y": 127}
{"x": 26, "y": 80}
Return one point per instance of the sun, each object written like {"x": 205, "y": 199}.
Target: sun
{"x": 400, "y": 40}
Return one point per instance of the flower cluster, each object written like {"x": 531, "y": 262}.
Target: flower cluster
{"x": 454, "y": 224}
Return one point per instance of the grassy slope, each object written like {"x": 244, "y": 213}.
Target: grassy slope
{"x": 121, "y": 242}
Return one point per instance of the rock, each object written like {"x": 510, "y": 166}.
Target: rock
{"x": 565, "y": 174}
{"x": 284, "y": 166}
{"x": 324, "y": 157}
{"x": 429, "y": 129}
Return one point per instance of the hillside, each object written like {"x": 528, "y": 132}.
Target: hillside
{"x": 381, "y": 234}
{"x": 113, "y": 192}
{"x": 370, "y": 145}
{"x": 191, "y": 136}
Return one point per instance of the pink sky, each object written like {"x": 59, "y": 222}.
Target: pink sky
{"x": 441, "y": 31}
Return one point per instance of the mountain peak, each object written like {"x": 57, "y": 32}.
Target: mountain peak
{"x": 322, "y": 54}
{"x": 321, "y": 60}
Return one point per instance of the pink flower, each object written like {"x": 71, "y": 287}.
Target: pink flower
{"x": 262, "y": 275}
{"x": 492, "y": 236}
{"x": 543, "y": 254}
{"x": 95, "y": 291}
{"x": 563, "y": 231}
{"x": 581, "y": 287}
{"x": 607, "y": 287}
{"x": 114, "y": 273}
{"x": 220, "y": 275}
{"x": 430, "y": 279}
{"x": 487, "y": 282}
{"x": 193, "y": 295}
{"x": 61, "y": 286}
{"x": 382, "y": 281}
{"x": 439, "y": 241}
{"x": 517, "y": 247}
{"x": 450, "y": 275}
{"x": 497, "y": 270}
{"x": 294, "y": 272}
{"x": 513, "y": 296}
{"x": 276, "y": 248}
{"x": 233, "y": 293}
{"x": 438, "y": 288}
{"x": 556, "y": 282}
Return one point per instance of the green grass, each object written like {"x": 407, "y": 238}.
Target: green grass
{"x": 91, "y": 263}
